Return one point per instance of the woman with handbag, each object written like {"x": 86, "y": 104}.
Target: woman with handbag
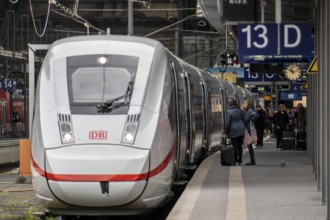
{"x": 234, "y": 129}
{"x": 249, "y": 117}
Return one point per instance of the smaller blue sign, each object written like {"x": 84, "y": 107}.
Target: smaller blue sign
{"x": 8, "y": 85}
{"x": 290, "y": 96}
{"x": 262, "y": 77}
{"x": 296, "y": 87}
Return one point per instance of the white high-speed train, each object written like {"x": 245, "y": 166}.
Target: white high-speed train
{"x": 118, "y": 121}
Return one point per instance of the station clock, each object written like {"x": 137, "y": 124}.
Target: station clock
{"x": 293, "y": 72}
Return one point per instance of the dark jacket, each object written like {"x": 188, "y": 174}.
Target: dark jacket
{"x": 300, "y": 117}
{"x": 249, "y": 116}
{"x": 281, "y": 119}
{"x": 16, "y": 117}
{"x": 234, "y": 125}
{"x": 259, "y": 122}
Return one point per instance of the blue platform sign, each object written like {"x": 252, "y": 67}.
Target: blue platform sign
{"x": 8, "y": 85}
{"x": 296, "y": 39}
{"x": 262, "y": 77}
{"x": 290, "y": 96}
{"x": 275, "y": 43}
{"x": 257, "y": 39}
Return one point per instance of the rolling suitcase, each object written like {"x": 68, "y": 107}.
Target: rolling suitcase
{"x": 288, "y": 141}
{"x": 227, "y": 154}
{"x": 301, "y": 138}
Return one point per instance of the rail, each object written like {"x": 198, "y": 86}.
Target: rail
{"x": 9, "y": 151}
{"x": 9, "y": 143}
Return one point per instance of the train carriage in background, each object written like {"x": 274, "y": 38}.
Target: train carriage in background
{"x": 8, "y": 128}
{"x": 243, "y": 94}
{"x": 118, "y": 121}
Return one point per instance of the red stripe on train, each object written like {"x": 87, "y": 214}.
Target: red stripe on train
{"x": 103, "y": 177}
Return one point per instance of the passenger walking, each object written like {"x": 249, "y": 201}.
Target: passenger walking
{"x": 259, "y": 124}
{"x": 249, "y": 117}
{"x": 234, "y": 129}
{"x": 281, "y": 120}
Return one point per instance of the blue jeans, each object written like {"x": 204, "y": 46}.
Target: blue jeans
{"x": 251, "y": 152}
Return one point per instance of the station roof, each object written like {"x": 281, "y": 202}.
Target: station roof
{"x": 38, "y": 22}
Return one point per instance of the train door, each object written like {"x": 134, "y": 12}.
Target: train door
{"x": 189, "y": 135}
{"x": 194, "y": 115}
{"x": 178, "y": 130}
{"x": 224, "y": 103}
{"x": 215, "y": 116}
{"x": 206, "y": 114}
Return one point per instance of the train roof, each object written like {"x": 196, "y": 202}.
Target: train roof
{"x": 122, "y": 38}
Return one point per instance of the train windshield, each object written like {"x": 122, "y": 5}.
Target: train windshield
{"x": 95, "y": 79}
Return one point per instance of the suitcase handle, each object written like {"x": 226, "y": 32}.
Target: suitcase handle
{"x": 226, "y": 141}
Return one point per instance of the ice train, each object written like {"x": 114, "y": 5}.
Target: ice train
{"x": 118, "y": 121}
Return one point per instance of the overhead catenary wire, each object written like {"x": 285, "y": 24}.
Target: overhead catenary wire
{"x": 75, "y": 7}
{"x": 171, "y": 25}
{"x": 82, "y": 21}
{"x": 204, "y": 51}
{"x": 34, "y": 23}
{"x": 73, "y": 15}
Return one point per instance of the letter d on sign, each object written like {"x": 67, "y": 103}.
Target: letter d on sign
{"x": 295, "y": 28}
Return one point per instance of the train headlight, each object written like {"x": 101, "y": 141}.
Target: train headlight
{"x": 66, "y": 132}
{"x": 67, "y": 137}
{"x": 102, "y": 60}
{"x": 130, "y": 132}
{"x": 129, "y": 137}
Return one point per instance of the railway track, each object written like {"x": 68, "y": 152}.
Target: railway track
{"x": 8, "y": 166}
{"x": 9, "y": 154}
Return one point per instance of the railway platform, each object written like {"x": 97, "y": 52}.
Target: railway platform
{"x": 265, "y": 191}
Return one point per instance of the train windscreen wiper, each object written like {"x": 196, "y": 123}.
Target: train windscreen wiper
{"x": 112, "y": 104}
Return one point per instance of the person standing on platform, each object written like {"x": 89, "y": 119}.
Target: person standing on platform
{"x": 259, "y": 123}
{"x": 234, "y": 129}
{"x": 249, "y": 117}
{"x": 280, "y": 121}
{"x": 300, "y": 117}
{"x": 269, "y": 121}
{"x": 16, "y": 117}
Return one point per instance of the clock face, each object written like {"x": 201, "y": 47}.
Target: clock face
{"x": 292, "y": 72}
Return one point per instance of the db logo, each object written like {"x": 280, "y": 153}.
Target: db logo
{"x": 98, "y": 135}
